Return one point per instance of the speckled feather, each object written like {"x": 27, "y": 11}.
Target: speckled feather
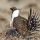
{"x": 33, "y": 21}
{"x": 20, "y": 24}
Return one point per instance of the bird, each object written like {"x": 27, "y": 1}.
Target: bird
{"x": 18, "y": 22}
{"x": 21, "y": 25}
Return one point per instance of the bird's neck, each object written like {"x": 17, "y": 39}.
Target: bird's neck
{"x": 15, "y": 14}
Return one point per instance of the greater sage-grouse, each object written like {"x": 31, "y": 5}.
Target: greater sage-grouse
{"x": 19, "y": 24}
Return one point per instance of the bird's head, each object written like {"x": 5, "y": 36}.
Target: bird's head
{"x": 13, "y": 9}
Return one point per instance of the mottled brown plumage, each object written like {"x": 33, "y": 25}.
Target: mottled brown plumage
{"x": 20, "y": 24}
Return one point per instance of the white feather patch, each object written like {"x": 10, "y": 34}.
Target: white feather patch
{"x": 15, "y": 14}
